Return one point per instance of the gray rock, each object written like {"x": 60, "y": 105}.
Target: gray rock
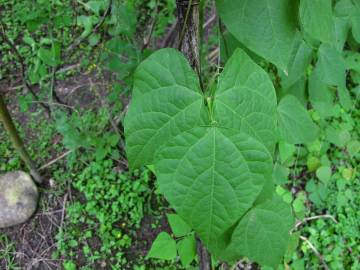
{"x": 18, "y": 198}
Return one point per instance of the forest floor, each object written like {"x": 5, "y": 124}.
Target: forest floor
{"x": 31, "y": 245}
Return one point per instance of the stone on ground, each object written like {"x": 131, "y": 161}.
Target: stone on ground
{"x": 18, "y": 198}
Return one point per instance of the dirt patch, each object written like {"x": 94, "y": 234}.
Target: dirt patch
{"x": 34, "y": 240}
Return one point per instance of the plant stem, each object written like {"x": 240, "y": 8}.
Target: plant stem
{"x": 189, "y": 44}
{"x": 18, "y": 144}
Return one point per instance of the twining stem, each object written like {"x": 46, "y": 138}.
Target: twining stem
{"x": 18, "y": 144}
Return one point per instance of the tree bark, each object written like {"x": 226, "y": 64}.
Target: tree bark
{"x": 189, "y": 31}
{"x": 18, "y": 144}
{"x": 189, "y": 44}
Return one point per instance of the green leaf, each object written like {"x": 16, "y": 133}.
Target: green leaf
{"x": 246, "y": 99}
{"x": 123, "y": 18}
{"x": 317, "y": 19}
{"x": 187, "y": 250}
{"x": 297, "y": 89}
{"x": 341, "y": 32}
{"x": 87, "y": 22}
{"x": 345, "y": 98}
{"x": 49, "y": 57}
{"x": 286, "y": 151}
{"x": 229, "y": 44}
{"x": 211, "y": 176}
{"x": 295, "y": 124}
{"x": 164, "y": 247}
{"x": 331, "y": 66}
{"x": 69, "y": 265}
{"x": 337, "y": 136}
{"x": 344, "y": 8}
{"x": 166, "y": 100}
{"x": 352, "y": 60}
{"x": 266, "y": 27}
{"x": 320, "y": 95}
{"x": 96, "y": 6}
{"x": 324, "y": 173}
{"x": 300, "y": 59}
{"x": 263, "y": 233}
{"x": 280, "y": 174}
{"x": 353, "y": 147}
{"x": 355, "y": 21}
{"x": 178, "y": 225}
{"x": 292, "y": 246}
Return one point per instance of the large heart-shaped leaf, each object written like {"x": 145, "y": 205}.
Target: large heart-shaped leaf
{"x": 212, "y": 156}
{"x": 266, "y": 27}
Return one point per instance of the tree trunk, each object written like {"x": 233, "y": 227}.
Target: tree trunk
{"x": 9, "y": 126}
{"x": 189, "y": 32}
{"x": 189, "y": 45}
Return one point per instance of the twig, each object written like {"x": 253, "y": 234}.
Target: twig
{"x": 56, "y": 104}
{"x": 317, "y": 253}
{"x": 55, "y": 160}
{"x": 53, "y": 93}
{"x": 299, "y": 223}
{"x": 63, "y": 213}
{"x": 71, "y": 49}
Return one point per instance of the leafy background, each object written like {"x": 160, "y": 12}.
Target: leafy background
{"x": 111, "y": 216}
